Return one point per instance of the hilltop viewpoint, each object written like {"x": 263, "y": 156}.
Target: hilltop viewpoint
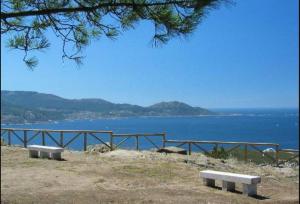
{"x": 125, "y": 176}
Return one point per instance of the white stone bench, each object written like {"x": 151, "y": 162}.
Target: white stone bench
{"x": 36, "y": 151}
{"x": 229, "y": 180}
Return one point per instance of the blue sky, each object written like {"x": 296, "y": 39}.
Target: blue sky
{"x": 240, "y": 56}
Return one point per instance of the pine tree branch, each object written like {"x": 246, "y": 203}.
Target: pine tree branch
{"x": 87, "y": 9}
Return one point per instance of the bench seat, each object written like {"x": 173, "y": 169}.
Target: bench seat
{"x": 229, "y": 179}
{"x": 45, "y": 151}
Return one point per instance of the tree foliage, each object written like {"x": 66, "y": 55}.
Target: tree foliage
{"x": 77, "y": 22}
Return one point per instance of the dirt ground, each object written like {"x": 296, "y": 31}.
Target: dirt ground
{"x": 124, "y": 176}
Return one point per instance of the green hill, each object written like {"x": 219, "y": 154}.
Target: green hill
{"x": 177, "y": 108}
{"x": 27, "y": 106}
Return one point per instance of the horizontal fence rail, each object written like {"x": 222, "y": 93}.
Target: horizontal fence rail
{"x": 273, "y": 156}
{"x": 50, "y": 130}
{"x": 137, "y": 139}
{"x": 59, "y": 138}
{"x": 294, "y": 152}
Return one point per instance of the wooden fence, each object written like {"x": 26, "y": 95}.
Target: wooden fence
{"x": 61, "y": 141}
{"x": 235, "y": 145}
{"x": 137, "y": 139}
{"x": 294, "y": 152}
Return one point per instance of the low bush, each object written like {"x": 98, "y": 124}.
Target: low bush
{"x": 219, "y": 153}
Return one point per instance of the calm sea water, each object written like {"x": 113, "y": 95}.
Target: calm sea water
{"x": 251, "y": 125}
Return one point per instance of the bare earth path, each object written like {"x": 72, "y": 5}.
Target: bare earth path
{"x": 133, "y": 177}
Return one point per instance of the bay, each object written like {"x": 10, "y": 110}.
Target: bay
{"x": 243, "y": 125}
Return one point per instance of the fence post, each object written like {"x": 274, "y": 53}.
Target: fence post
{"x": 43, "y": 138}
{"x": 25, "y": 138}
{"x": 62, "y": 139}
{"x": 9, "y": 137}
{"x": 246, "y": 153}
{"x": 137, "y": 142}
{"x": 111, "y": 142}
{"x": 84, "y": 141}
{"x": 277, "y": 155}
{"x": 190, "y": 148}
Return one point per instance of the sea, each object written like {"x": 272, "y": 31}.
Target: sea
{"x": 241, "y": 125}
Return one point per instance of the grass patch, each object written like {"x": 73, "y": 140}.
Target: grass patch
{"x": 163, "y": 171}
{"x": 29, "y": 163}
{"x": 252, "y": 155}
{"x": 66, "y": 168}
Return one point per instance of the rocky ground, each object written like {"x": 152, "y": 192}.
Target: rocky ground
{"x": 124, "y": 176}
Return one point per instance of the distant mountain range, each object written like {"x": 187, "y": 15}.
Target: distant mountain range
{"x": 27, "y": 106}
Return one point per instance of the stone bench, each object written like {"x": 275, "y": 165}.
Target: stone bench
{"x": 36, "y": 151}
{"x": 229, "y": 180}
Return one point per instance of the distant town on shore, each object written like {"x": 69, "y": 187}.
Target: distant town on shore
{"x": 27, "y": 106}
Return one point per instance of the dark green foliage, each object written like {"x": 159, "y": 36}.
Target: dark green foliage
{"x": 177, "y": 108}
{"x": 219, "y": 153}
{"x": 257, "y": 158}
{"x": 77, "y": 22}
{"x": 11, "y": 113}
{"x": 252, "y": 156}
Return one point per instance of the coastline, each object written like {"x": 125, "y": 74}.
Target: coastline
{"x": 167, "y": 116}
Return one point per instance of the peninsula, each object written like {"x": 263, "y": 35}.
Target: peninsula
{"x": 27, "y": 106}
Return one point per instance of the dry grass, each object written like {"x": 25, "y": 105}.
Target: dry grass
{"x": 133, "y": 177}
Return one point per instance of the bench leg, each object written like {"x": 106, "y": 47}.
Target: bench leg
{"x": 56, "y": 156}
{"x": 250, "y": 189}
{"x": 33, "y": 154}
{"x": 44, "y": 155}
{"x": 228, "y": 186}
{"x": 209, "y": 182}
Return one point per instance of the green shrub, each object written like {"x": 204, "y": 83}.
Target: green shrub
{"x": 218, "y": 153}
